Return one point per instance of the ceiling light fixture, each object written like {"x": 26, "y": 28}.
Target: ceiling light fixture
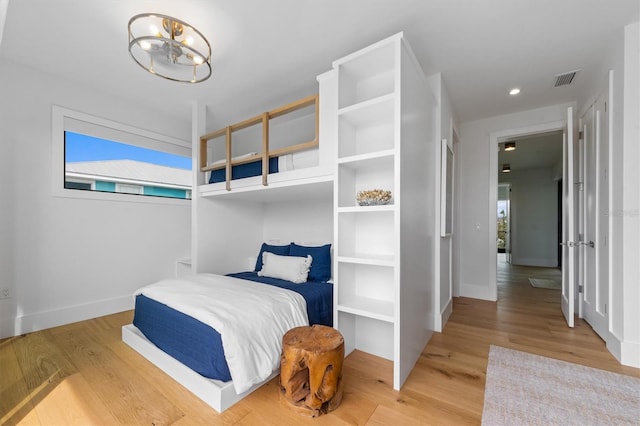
{"x": 506, "y": 168}
{"x": 510, "y": 146}
{"x": 169, "y": 48}
{"x": 514, "y": 91}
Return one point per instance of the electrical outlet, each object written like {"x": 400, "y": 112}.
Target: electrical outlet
{"x": 5, "y": 293}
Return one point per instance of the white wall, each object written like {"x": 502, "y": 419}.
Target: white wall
{"x": 71, "y": 259}
{"x": 474, "y": 153}
{"x": 230, "y": 232}
{"x": 534, "y": 217}
{"x": 625, "y": 197}
{"x": 7, "y": 306}
{"x": 303, "y": 221}
{"x": 227, "y": 234}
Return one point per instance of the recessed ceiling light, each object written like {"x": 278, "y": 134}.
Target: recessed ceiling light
{"x": 514, "y": 91}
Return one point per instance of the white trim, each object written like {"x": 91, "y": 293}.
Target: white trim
{"x": 445, "y": 313}
{"x": 610, "y": 202}
{"x": 445, "y": 148}
{"x": 58, "y": 127}
{"x": 70, "y": 314}
{"x": 627, "y": 353}
{"x": 494, "y": 139}
{"x": 219, "y": 395}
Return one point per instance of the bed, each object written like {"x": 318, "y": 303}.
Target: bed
{"x": 268, "y": 160}
{"x": 190, "y": 348}
{"x": 282, "y": 163}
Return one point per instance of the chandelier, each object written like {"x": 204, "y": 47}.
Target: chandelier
{"x": 169, "y": 47}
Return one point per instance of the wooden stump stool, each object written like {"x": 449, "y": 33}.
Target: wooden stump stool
{"x": 311, "y": 369}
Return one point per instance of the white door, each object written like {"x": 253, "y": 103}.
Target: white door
{"x": 568, "y": 221}
{"x": 596, "y": 285}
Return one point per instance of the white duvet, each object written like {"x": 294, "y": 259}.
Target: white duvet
{"x": 251, "y": 318}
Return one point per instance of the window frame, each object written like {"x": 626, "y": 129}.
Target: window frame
{"x": 100, "y": 127}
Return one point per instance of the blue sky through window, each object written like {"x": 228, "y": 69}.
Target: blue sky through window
{"x": 80, "y": 148}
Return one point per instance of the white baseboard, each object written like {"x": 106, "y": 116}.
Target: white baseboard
{"x": 70, "y": 314}
{"x": 630, "y": 354}
{"x": 627, "y": 353}
{"x": 445, "y": 313}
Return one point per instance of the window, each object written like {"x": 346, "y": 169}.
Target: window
{"x": 97, "y": 158}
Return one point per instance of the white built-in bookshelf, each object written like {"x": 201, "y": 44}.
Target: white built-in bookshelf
{"x": 371, "y": 280}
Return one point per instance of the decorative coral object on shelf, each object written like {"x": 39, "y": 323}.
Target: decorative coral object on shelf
{"x": 374, "y": 197}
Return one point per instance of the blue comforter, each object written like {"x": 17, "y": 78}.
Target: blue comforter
{"x": 319, "y": 296}
{"x": 243, "y": 170}
{"x": 199, "y": 346}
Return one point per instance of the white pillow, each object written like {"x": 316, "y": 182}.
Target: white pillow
{"x": 290, "y": 268}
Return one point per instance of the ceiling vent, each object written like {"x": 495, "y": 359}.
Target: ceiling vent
{"x": 565, "y": 79}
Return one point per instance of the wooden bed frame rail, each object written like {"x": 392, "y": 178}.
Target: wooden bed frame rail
{"x": 266, "y": 153}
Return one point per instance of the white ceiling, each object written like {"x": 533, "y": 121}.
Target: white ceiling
{"x": 542, "y": 151}
{"x": 266, "y": 53}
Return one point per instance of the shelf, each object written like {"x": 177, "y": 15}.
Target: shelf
{"x": 371, "y": 159}
{"x": 183, "y": 267}
{"x": 376, "y": 59}
{"x": 367, "y": 127}
{"x": 368, "y": 259}
{"x": 367, "y": 209}
{"x": 370, "y": 308}
{"x": 376, "y": 110}
{"x": 368, "y": 73}
{"x": 365, "y": 172}
{"x": 367, "y": 229}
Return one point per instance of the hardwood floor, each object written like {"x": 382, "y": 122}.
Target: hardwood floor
{"x": 82, "y": 373}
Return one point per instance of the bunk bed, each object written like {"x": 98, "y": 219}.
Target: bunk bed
{"x": 305, "y": 171}
{"x": 269, "y": 160}
{"x": 220, "y": 336}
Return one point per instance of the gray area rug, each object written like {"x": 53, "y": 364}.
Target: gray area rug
{"x": 545, "y": 283}
{"x": 527, "y": 389}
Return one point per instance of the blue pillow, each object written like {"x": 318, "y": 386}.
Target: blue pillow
{"x": 321, "y": 264}
{"x": 279, "y": 250}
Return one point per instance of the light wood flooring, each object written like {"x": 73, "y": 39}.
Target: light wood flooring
{"x": 83, "y": 374}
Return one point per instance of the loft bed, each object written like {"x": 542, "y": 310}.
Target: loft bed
{"x": 205, "y": 330}
{"x": 297, "y": 161}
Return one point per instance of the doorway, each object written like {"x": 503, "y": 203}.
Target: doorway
{"x": 519, "y": 236}
{"x": 527, "y": 208}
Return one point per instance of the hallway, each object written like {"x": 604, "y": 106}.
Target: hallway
{"x": 524, "y": 318}
{"x": 514, "y": 288}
